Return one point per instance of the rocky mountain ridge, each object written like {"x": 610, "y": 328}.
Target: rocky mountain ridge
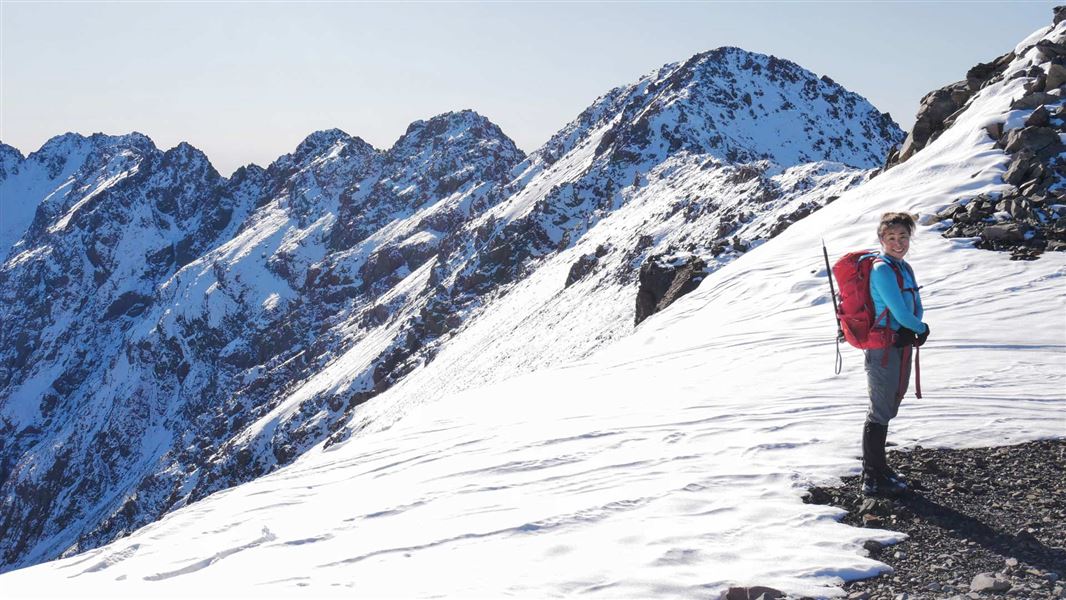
{"x": 1028, "y": 216}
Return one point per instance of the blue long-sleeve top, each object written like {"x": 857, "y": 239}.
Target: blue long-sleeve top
{"x": 904, "y": 306}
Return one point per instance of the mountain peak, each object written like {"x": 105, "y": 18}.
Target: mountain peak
{"x": 459, "y": 130}
{"x": 10, "y": 158}
{"x": 742, "y": 107}
{"x": 320, "y": 141}
{"x": 187, "y": 157}
{"x": 185, "y": 151}
{"x": 8, "y": 152}
{"x": 318, "y": 145}
{"x": 70, "y": 141}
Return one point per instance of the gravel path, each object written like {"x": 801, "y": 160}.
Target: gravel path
{"x": 982, "y": 523}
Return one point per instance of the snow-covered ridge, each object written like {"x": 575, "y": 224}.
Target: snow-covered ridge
{"x": 738, "y": 106}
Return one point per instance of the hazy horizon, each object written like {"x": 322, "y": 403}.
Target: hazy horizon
{"x": 246, "y": 82}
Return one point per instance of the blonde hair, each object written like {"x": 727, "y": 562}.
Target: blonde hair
{"x": 891, "y": 219}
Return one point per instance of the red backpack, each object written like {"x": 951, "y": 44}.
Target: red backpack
{"x": 855, "y": 312}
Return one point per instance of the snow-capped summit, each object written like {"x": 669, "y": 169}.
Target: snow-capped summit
{"x": 463, "y": 131}
{"x": 460, "y": 157}
{"x": 55, "y": 183}
{"x": 738, "y": 106}
{"x": 329, "y": 145}
{"x": 10, "y": 158}
{"x": 320, "y": 141}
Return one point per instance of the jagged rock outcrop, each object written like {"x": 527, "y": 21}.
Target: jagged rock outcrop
{"x": 664, "y": 279}
{"x": 1030, "y": 217}
{"x": 939, "y": 108}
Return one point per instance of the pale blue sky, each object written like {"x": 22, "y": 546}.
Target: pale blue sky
{"x": 245, "y": 82}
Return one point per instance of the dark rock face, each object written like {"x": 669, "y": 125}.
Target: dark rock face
{"x": 582, "y": 267}
{"x": 10, "y": 160}
{"x": 982, "y": 523}
{"x": 757, "y": 592}
{"x": 94, "y": 255}
{"x": 665, "y": 279}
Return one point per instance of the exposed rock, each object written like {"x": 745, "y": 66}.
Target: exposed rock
{"x": 982, "y": 73}
{"x": 1020, "y": 166}
{"x": 665, "y": 279}
{"x": 940, "y": 108}
{"x": 1039, "y": 118}
{"x": 1032, "y": 139}
{"x": 1010, "y": 232}
{"x": 873, "y": 547}
{"x": 784, "y": 221}
{"x": 1050, "y": 50}
{"x": 989, "y": 582}
{"x": 935, "y": 108}
{"x": 1033, "y": 100}
{"x": 752, "y": 593}
{"x": 581, "y": 267}
{"x": 1004, "y": 540}
{"x": 1056, "y": 76}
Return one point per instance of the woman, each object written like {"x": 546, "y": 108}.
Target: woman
{"x": 894, "y": 291}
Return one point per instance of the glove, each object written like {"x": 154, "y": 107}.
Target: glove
{"x": 904, "y": 337}
{"x": 922, "y": 337}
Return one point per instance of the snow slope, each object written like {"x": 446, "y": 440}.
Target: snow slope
{"x": 671, "y": 463}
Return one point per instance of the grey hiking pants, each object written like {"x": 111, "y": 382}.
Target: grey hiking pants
{"x": 887, "y": 373}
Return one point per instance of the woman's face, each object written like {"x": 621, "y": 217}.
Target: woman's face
{"x": 896, "y": 241}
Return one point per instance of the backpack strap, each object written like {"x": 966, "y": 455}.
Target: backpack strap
{"x": 917, "y": 373}
{"x": 906, "y": 351}
{"x": 900, "y": 282}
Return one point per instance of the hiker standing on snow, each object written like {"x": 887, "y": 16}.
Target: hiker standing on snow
{"x": 894, "y": 291}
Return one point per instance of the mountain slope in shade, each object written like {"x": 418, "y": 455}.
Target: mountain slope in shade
{"x": 671, "y": 462}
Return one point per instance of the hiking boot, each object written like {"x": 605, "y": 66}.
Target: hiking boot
{"x": 878, "y": 486}
{"x": 896, "y": 479}
{"x": 877, "y": 478}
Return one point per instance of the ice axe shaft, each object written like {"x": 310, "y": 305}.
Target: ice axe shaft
{"x": 836, "y": 313}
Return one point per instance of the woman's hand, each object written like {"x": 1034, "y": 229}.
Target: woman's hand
{"x": 923, "y": 336}
{"x": 904, "y": 337}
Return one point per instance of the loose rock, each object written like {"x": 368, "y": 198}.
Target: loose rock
{"x": 954, "y": 534}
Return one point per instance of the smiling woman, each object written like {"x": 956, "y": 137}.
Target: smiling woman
{"x": 898, "y": 307}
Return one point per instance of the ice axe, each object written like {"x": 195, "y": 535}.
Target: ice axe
{"x": 836, "y": 312}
